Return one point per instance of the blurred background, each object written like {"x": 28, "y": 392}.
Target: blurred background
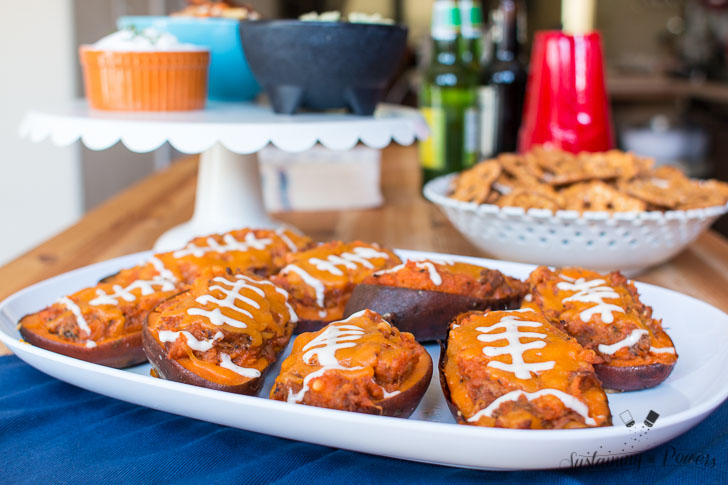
{"x": 667, "y": 80}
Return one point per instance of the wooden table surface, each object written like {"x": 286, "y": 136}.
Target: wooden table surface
{"x": 134, "y": 219}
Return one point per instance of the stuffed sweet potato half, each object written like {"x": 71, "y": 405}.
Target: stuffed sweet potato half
{"x": 103, "y": 324}
{"x": 604, "y": 314}
{"x": 320, "y": 280}
{"x": 360, "y": 364}
{"x": 422, "y": 297}
{"x": 224, "y": 333}
{"x": 513, "y": 369}
{"x": 258, "y": 251}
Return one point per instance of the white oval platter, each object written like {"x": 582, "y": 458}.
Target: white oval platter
{"x": 696, "y": 387}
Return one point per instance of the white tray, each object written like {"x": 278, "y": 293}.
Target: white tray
{"x": 696, "y": 387}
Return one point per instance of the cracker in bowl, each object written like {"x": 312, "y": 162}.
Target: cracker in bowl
{"x": 612, "y": 181}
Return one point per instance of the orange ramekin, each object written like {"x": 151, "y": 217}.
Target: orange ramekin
{"x": 145, "y": 81}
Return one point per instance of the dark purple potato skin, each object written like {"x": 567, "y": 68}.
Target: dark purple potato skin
{"x": 445, "y": 389}
{"x": 120, "y": 353}
{"x": 632, "y": 378}
{"x": 310, "y": 326}
{"x": 424, "y": 313}
{"x": 404, "y": 404}
{"x": 108, "y": 278}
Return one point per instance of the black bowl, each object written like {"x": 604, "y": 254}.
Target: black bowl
{"x": 323, "y": 65}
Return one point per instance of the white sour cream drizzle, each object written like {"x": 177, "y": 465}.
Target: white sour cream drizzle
{"x": 80, "y": 321}
{"x": 629, "y": 341}
{"x": 445, "y": 261}
{"x": 232, "y": 295}
{"x": 165, "y": 280}
{"x": 662, "y": 350}
{"x": 515, "y": 349}
{"x": 125, "y": 293}
{"x": 192, "y": 342}
{"x": 339, "y": 335}
{"x": 393, "y": 269}
{"x": 229, "y": 244}
{"x": 349, "y": 260}
{"x": 282, "y": 234}
{"x": 567, "y": 399}
{"x": 291, "y": 314}
{"x": 359, "y": 256}
{"x": 231, "y": 290}
{"x": 164, "y": 273}
{"x": 317, "y": 285}
{"x": 592, "y": 291}
{"x": 431, "y": 270}
{"x": 227, "y": 363}
{"x": 528, "y": 297}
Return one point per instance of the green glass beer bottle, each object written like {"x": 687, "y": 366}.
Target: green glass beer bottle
{"x": 471, "y": 15}
{"x": 448, "y": 99}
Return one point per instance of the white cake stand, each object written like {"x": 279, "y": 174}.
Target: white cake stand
{"x": 228, "y": 136}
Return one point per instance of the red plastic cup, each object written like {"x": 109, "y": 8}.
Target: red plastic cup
{"x": 566, "y": 103}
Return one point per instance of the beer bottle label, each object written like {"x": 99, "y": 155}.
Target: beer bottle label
{"x": 445, "y": 20}
{"x": 488, "y": 120}
{"x": 433, "y": 148}
{"x": 470, "y": 137}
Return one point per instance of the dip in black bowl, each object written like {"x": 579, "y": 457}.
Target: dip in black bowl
{"x": 323, "y": 65}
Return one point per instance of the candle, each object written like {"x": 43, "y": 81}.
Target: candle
{"x": 577, "y": 16}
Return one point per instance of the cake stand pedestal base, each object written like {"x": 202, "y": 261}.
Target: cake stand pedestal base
{"x": 229, "y": 196}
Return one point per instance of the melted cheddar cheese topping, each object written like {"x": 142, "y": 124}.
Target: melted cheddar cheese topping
{"x": 227, "y": 328}
{"x": 513, "y": 369}
{"x": 604, "y": 313}
{"x": 321, "y": 280}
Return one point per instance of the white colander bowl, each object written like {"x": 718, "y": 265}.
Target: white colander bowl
{"x": 602, "y": 241}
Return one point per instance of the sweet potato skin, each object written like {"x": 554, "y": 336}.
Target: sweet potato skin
{"x": 424, "y": 313}
{"x": 445, "y": 389}
{"x": 118, "y": 353}
{"x": 108, "y": 278}
{"x": 404, "y": 404}
{"x": 309, "y": 326}
{"x": 172, "y": 370}
{"x": 632, "y": 378}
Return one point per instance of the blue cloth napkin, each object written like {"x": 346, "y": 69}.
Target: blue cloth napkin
{"x": 53, "y": 432}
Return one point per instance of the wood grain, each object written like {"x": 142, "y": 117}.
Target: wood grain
{"x": 134, "y": 219}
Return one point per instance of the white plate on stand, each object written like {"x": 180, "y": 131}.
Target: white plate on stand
{"x": 695, "y": 388}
